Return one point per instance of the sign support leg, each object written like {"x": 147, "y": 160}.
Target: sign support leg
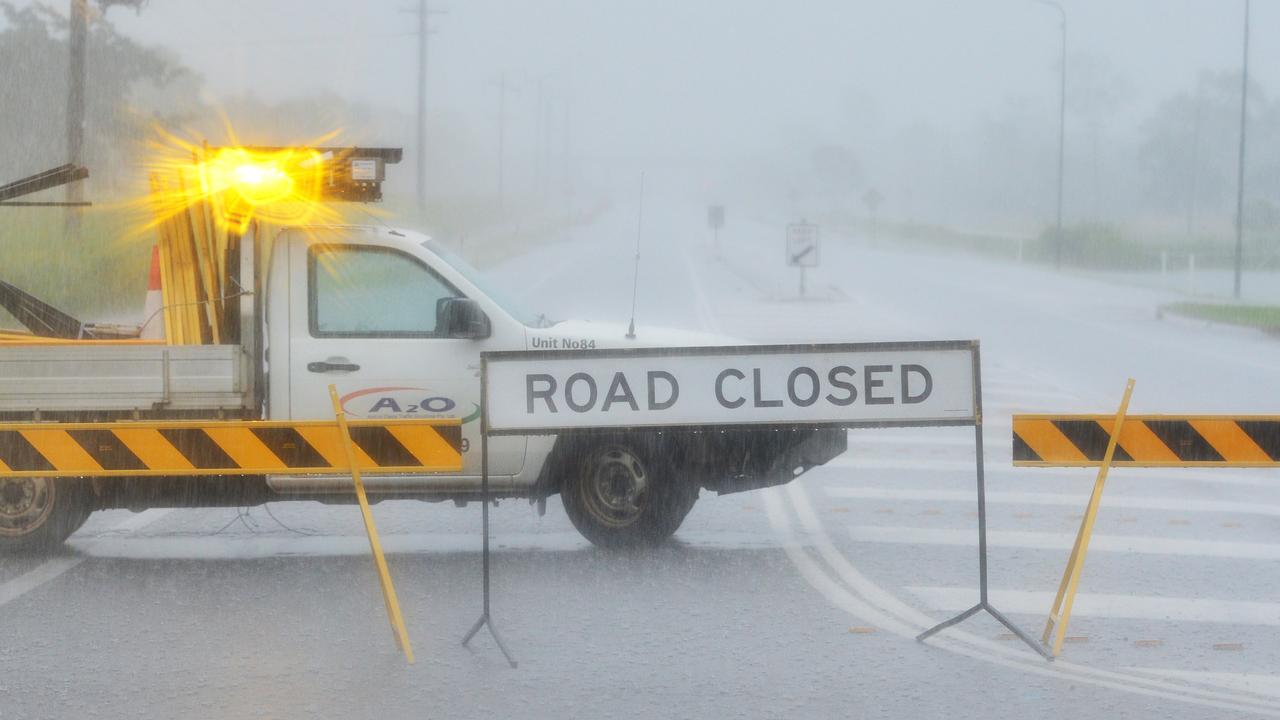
{"x": 375, "y": 545}
{"x": 1057, "y": 623}
{"x": 984, "y": 602}
{"x": 485, "y": 618}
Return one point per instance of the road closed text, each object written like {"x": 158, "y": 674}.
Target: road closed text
{"x": 830, "y": 384}
{"x": 659, "y": 390}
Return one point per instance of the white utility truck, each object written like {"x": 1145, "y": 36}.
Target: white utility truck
{"x": 397, "y": 322}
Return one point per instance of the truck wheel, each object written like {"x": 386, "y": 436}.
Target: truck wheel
{"x": 624, "y": 494}
{"x": 38, "y": 514}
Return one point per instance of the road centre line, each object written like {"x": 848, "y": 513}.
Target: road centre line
{"x": 1104, "y": 605}
{"x": 54, "y": 568}
{"x": 1138, "y": 544}
{"x": 1077, "y": 500}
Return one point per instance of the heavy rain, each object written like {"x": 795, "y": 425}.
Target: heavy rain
{"x": 607, "y": 358}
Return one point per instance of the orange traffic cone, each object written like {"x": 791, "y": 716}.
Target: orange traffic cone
{"x": 152, "y": 317}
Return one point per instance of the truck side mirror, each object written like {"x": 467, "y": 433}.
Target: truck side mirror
{"x": 461, "y": 318}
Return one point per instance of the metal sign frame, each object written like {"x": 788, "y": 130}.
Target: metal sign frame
{"x": 972, "y": 346}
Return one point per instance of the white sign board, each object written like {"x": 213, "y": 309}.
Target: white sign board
{"x": 873, "y": 384}
{"x": 803, "y": 242}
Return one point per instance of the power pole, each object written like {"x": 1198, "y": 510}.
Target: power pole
{"x": 1062, "y": 132}
{"x": 77, "y": 39}
{"x": 1244, "y": 111}
{"x": 503, "y": 88}
{"x": 423, "y": 11}
{"x": 1193, "y": 185}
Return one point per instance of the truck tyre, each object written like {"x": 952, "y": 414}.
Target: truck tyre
{"x": 625, "y": 493}
{"x": 38, "y": 514}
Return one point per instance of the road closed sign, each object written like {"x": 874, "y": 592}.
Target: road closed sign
{"x": 857, "y": 385}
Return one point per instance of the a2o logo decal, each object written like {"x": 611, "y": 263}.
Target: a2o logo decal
{"x": 395, "y": 402}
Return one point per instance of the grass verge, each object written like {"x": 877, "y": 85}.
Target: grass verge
{"x": 1263, "y": 317}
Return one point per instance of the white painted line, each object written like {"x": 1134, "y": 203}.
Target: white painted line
{"x": 1139, "y": 544}
{"x": 873, "y": 604}
{"x": 1134, "y": 502}
{"x": 1256, "y": 683}
{"x": 1129, "y": 607}
{"x": 52, "y": 569}
{"x": 245, "y": 546}
{"x": 999, "y": 465}
{"x": 37, "y": 576}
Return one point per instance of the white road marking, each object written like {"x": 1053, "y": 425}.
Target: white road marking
{"x": 37, "y": 576}
{"x": 833, "y": 573}
{"x": 999, "y": 465}
{"x": 54, "y": 568}
{"x": 256, "y": 546}
{"x": 1130, "y": 607}
{"x": 1140, "y": 544}
{"x": 1256, "y": 683}
{"x": 1176, "y": 504}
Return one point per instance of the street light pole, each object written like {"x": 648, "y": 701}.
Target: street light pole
{"x": 1062, "y": 131}
{"x": 1244, "y": 107}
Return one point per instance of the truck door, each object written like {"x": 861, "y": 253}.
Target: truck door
{"x": 363, "y": 317}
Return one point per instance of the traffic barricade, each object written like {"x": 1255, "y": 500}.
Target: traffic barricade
{"x": 1123, "y": 440}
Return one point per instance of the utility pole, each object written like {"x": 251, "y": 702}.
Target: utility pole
{"x": 424, "y": 12}
{"x": 1244, "y": 112}
{"x": 1194, "y": 182}
{"x": 503, "y": 89}
{"x": 77, "y": 39}
{"x": 539, "y": 146}
{"x": 1062, "y": 132}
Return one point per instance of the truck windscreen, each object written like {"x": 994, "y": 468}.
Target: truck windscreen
{"x": 488, "y": 287}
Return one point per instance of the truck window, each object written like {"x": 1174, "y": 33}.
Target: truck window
{"x": 359, "y": 291}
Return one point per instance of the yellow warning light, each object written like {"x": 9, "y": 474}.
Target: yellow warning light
{"x": 240, "y": 184}
{"x": 281, "y": 186}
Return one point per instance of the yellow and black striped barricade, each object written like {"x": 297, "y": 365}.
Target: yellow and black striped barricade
{"x": 1103, "y": 441}
{"x": 215, "y": 447}
{"x": 1148, "y": 440}
{"x": 233, "y": 447}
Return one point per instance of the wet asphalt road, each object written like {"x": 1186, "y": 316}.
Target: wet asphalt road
{"x": 795, "y": 602}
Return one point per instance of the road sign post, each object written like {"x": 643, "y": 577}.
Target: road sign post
{"x": 803, "y": 248}
{"x": 715, "y": 221}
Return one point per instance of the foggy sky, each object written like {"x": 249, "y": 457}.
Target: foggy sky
{"x": 706, "y": 76}
{"x": 737, "y": 87}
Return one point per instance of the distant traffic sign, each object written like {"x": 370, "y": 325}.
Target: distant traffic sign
{"x": 803, "y": 245}
{"x": 715, "y": 216}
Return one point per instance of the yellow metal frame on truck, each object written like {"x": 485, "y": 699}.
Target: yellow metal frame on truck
{"x": 230, "y": 447}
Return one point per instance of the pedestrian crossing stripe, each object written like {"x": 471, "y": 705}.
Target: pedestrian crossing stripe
{"x": 139, "y": 449}
{"x": 1148, "y": 440}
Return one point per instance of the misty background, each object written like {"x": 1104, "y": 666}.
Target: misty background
{"x": 922, "y": 121}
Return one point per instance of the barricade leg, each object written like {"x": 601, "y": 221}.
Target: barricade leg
{"x": 1075, "y": 565}
{"x": 486, "y": 619}
{"x": 984, "y": 601}
{"x": 375, "y": 544}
